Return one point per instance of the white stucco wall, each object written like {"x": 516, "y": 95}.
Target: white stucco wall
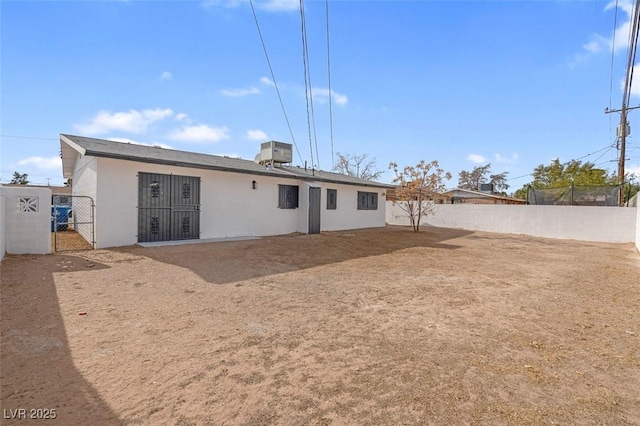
{"x": 347, "y": 215}
{"x": 230, "y": 206}
{"x": 27, "y": 232}
{"x": 605, "y": 224}
{"x": 85, "y": 178}
{"x": 2, "y": 223}
{"x": 638, "y": 228}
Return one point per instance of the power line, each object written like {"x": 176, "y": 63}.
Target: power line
{"x": 613, "y": 45}
{"x": 608, "y": 148}
{"x": 307, "y": 85}
{"x": 273, "y": 77}
{"x": 333, "y": 166}
{"x": 28, "y": 137}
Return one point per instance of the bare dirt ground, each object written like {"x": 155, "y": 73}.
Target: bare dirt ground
{"x": 376, "y": 326}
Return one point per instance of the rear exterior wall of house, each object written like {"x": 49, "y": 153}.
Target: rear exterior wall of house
{"x": 229, "y": 204}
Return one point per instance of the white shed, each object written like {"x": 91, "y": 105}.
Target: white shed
{"x": 143, "y": 193}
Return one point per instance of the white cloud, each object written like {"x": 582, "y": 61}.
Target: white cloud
{"x": 201, "y": 133}
{"x": 240, "y": 92}
{"x": 256, "y": 135}
{"x": 512, "y": 159}
{"x": 477, "y": 158}
{"x": 166, "y": 75}
{"x": 633, "y": 171}
{"x": 268, "y": 5}
{"x": 47, "y": 163}
{"x": 278, "y": 5}
{"x": 132, "y": 121}
{"x": 267, "y": 81}
{"x": 322, "y": 94}
{"x": 181, "y": 116}
{"x": 635, "y": 83}
{"x": 227, "y": 4}
{"x": 127, "y": 140}
{"x": 620, "y": 39}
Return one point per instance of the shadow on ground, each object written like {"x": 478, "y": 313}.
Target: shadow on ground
{"x": 37, "y": 368}
{"x": 227, "y": 262}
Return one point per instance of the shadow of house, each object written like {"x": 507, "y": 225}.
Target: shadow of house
{"x": 37, "y": 367}
{"x": 233, "y": 261}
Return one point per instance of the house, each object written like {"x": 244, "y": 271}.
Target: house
{"x": 467, "y": 196}
{"x": 145, "y": 194}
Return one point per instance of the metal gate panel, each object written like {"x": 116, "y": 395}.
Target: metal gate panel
{"x": 185, "y": 207}
{"x": 168, "y": 207}
{"x": 185, "y": 225}
{"x": 154, "y": 225}
{"x": 185, "y": 191}
{"x": 72, "y": 222}
{"x": 154, "y": 207}
{"x": 314, "y": 210}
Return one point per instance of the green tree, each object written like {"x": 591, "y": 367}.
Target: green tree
{"x": 476, "y": 177}
{"x": 20, "y": 179}
{"x": 631, "y": 186}
{"x": 558, "y": 175}
{"x": 360, "y": 166}
{"x": 417, "y": 187}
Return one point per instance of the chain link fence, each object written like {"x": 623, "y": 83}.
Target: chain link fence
{"x": 574, "y": 195}
{"x": 72, "y": 218}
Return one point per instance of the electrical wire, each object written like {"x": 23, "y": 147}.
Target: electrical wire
{"x": 608, "y": 148}
{"x": 613, "y": 45}
{"x": 28, "y": 137}
{"x": 308, "y": 86}
{"x": 273, "y": 78}
{"x": 333, "y": 166}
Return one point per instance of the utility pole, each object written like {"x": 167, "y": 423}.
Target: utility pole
{"x": 624, "y": 125}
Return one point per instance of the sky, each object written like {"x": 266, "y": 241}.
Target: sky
{"x": 511, "y": 83}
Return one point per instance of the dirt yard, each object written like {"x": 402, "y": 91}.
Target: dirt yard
{"x": 363, "y": 327}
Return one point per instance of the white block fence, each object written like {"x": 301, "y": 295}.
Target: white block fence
{"x": 603, "y": 224}
{"x": 25, "y": 220}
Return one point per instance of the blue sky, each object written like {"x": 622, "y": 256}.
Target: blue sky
{"x": 514, "y": 83}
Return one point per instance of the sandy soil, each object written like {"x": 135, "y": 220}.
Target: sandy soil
{"x": 368, "y": 327}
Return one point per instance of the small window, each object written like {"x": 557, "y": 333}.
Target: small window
{"x": 332, "y": 199}
{"x": 288, "y": 196}
{"x": 367, "y": 200}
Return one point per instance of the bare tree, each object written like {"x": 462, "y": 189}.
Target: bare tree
{"x": 476, "y": 177}
{"x": 418, "y": 188}
{"x": 473, "y": 179}
{"x": 359, "y": 166}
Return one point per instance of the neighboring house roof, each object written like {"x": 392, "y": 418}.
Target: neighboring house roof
{"x": 468, "y": 193}
{"x": 392, "y": 194}
{"x": 71, "y": 145}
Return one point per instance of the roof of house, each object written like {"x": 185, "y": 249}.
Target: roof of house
{"x": 477, "y": 194}
{"x": 70, "y": 145}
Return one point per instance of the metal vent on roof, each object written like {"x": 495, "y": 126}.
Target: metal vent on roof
{"x": 274, "y": 153}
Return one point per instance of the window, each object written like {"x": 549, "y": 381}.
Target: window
{"x": 367, "y": 200}
{"x": 288, "y": 196}
{"x": 332, "y": 199}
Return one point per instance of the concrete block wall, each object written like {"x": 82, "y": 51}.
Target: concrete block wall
{"x": 2, "y": 223}
{"x": 638, "y": 228}
{"x": 603, "y": 224}
{"x": 27, "y": 220}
